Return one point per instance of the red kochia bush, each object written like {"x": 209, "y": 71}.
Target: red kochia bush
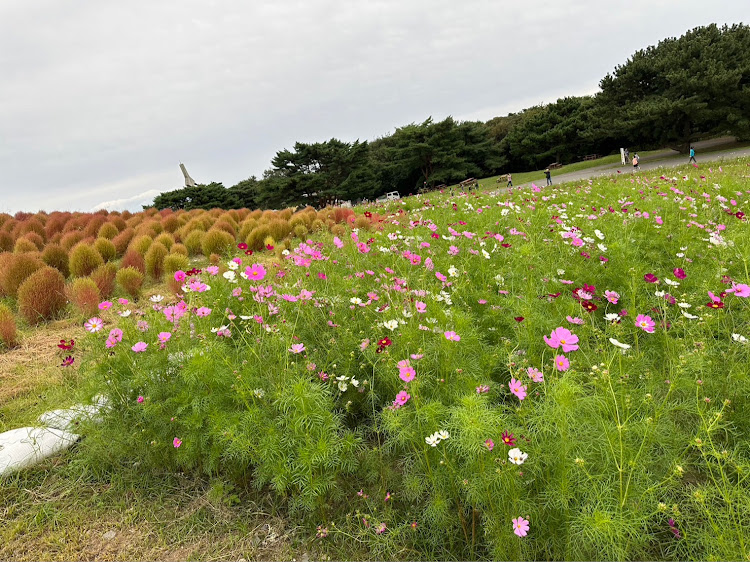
{"x": 84, "y": 294}
{"x": 134, "y": 259}
{"x": 104, "y": 277}
{"x": 42, "y": 296}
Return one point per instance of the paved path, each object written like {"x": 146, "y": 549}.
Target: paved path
{"x": 647, "y": 164}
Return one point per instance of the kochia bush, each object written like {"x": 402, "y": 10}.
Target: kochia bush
{"x": 216, "y": 242}
{"x": 84, "y": 295}
{"x": 55, "y": 256}
{"x": 16, "y": 270}
{"x": 41, "y": 297}
{"x": 83, "y": 259}
{"x": 8, "y": 334}
{"x": 131, "y": 280}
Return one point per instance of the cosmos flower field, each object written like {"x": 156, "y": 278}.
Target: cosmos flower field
{"x": 547, "y": 373}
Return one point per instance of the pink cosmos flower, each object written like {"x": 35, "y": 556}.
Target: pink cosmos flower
{"x": 441, "y": 277}
{"x": 203, "y": 311}
{"x": 213, "y": 269}
{"x": 105, "y": 305}
{"x": 420, "y": 306}
{"x": 520, "y": 526}
{"x": 180, "y": 276}
{"x": 116, "y": 334}
{"x": 562, "y": 363}
{"x": 401, "y": 399}
{"x": 176, "y": 442}
{"x": 483, "y": 389}
{"x": 256, "y": 272}
{"x": 297, "y": 348}
{"x": 452, "y": 336}
{"x": 517, "y": 388}
{"x": 535, "y": 374}
{"x": 740, "y": 290}
{"x": 645, "y": 323}
{"x": 164, "y": 337}
{"x": 139, "y": 347}
{"x": 611, "y": 296}
{"x": 490, "y": 444}
{"x": 575, "y": 320}
{"x": 140, "y": 399}
{"x": 407, "y": 373}
{"x": 562, "y": 337}
{"x": 337, "y": 242}
{"x": 94, "y": 324}
{"x": 123, "y": 302}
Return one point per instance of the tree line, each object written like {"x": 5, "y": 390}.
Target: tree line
{"x": 670, "y": 94}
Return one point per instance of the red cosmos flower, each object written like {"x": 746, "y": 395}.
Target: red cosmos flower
{"x": 368, "y": 214}
{"x": 589, "y": 306}
{"x": 715, "y": 304}
{"x": 740, "y": 215}
{"x": 68, "y": 361}
{"x": 269, "y": 247}
{"x": 505, "y": 245}
{"x": 242, "y": 246}
{"x": 508, "y": 439}
{"x": 589, "y": 288}
{"x": 383, "y": 343}
{"x": 518, "y": 318}
{"x": 651, "y": 278}
{"x": 65, "y": 345}
{"x": 248, "y": 252}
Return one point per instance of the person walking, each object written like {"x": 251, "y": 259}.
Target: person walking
{"x": 636, "y": 160}
{"x": 692, "y": 155}
{"x": 548, "y": 175}
{"x": 627, "y": 156}
{"x": 510, "y": 181}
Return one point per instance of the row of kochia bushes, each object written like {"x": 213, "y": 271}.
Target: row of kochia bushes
{"x": 48, "y": 261}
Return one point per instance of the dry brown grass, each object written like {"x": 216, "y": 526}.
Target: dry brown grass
{"x": 34, "y": 363}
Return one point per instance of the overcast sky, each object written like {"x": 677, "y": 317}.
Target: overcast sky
{"x": 100, "y": 100}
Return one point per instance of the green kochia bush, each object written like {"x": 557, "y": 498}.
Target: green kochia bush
{"x": 290, "y": 381}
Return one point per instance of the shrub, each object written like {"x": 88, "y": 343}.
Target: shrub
{"x": 104, "y": 277}
{"x": 255, "y": 240}
{"x": 300, "y": 231}
{"x": 84, "y": 295}
{"x": 166, "y": 239}
{"x": 70, "y": 239}
{"x": 7, "y": 327}
{"x": 6, "y": 242}
{"x": 16, "y": 270}
{"x": 95, "y": 222}
{"x": 193, "y": 242}
{"x": 155, "y": 260}
{"x": 171, "y": 223}
{"x": 108, "y": 231}
{"x": 175, "y": 262}
{"x": 131, "y": 281}
{"x": 141, "y": 244}
{"x": 37, "y": 240}
{"x": 83, "y": 260}
{"x": 178, "y": 248}
{"x": 216, "y": 242}
{"x": 133, "y": 259}
{"x": 122, "y": 240}
{"x": 42, "y": 296}
{"x": 55, "y": 256}
{"x": 106, "y": 249}
{"x": 226, "y": 226}
{"x": 24, "y": 245}
{"x": 279, "y": 229}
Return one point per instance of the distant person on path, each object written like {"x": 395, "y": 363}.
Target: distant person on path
{"x": 636, "y": 160}
{"x": 548, "y": 175}
{"x": 510, "y": 181}
{"x": 627, "y": 156}
{"x": 692, "y": 155}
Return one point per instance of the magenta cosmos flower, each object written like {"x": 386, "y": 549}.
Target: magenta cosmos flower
{"x": 521, "y": 526}
{"x": 645, "y": 323}
{"x": 401, "y": 399}
{"x": 140, "y": 347}
{"x": 452, "y": 336}
{"x": 407, "y": 373}
{"x": 612, "y": 296}
{"x": 562, "y": 363}
{"x": 180, "y": 276}
{"x": 256, "y": 272}
{"x": 105, "y": 305}
{"x": 740, "y": 290}
{"x": 490, "y": 444}
{"x": 176, "y": 442}
{"x": 517, "y": 388}
{"x": 562, "y": 337}
{"x": 650, "y": 278}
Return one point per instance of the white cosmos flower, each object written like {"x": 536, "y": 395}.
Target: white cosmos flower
{"x": 671, "y": 283}
{"x": 432, "y": 440}
{"x": 443, "y": 434}
{"x": 684, "y": 305}
{"x": 125, "y": 313}
{"x": 285, "y": 253}
{"x": 516, "y": 456}
{"x": 739, "y": 338}
{"x": 233, "y": 265}
{"x": 391, "y": 324}
{"x": 156, "y": 298}
{"x": 355, "y": 382}
{"x": 559, "y": 272}
{"x": 230, "y": 276}
{"x": 485, "y": 254}
{"x": 452, "y": 271}
{"x": 689, "y": 316}
{"x": 599, "y": 234}
{"x": 602, "y": 247}
{"x": 660, "y": 293}
{"x": 611, "y": 316}
{"x": 619, "y": 344}
{"x": 355, "y": 300}
{"x": 343, "y": 386}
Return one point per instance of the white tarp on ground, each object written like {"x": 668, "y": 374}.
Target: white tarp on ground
{"x": 68, "y": 419}
{"x": 29, "y": 445}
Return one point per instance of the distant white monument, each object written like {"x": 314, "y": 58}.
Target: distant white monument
{"x": 189, "y": 182}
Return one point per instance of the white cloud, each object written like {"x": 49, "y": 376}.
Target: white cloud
{"x": 133, "y": 203}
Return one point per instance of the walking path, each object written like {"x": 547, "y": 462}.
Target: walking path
{"x": 647, "y": 164}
